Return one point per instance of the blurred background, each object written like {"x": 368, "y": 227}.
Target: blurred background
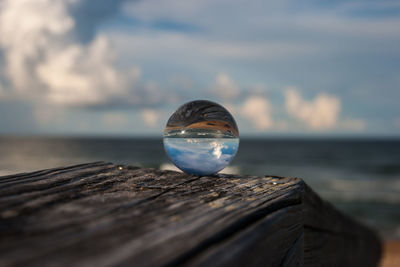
{"x": 313, "y": 86}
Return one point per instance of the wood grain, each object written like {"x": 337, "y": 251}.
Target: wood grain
{"x": 101, "y": 214}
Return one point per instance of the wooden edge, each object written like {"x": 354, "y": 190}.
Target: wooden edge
{"x": 333, "y": 238}
{"x": 264, "y": 237}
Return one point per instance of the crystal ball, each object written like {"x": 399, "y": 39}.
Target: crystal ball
{"x": 201, "y": 137}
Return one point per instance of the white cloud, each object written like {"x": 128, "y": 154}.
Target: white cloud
{"x": 44, "y": 62}
{"x": 225, "y": 87}
{"x": 26, "y": 32}
{"x": 322, "y": 113}
{"x": 150, "y": 117}
{"x": 258, "y": 110}
{"x": 80, "y": 75}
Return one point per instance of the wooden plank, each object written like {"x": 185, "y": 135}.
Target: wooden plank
{"x": 273, "y": 241}
{"x": 101, "y": 214}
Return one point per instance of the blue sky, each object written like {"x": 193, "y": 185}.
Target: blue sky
{"x": 122, "y": 67}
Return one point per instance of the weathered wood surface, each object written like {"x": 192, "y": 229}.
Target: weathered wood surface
{"x": 101, "y": 214}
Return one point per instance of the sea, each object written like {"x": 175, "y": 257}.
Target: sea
{"x": 361, "y": 177}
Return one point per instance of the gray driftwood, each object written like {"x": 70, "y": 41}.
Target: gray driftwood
{"x": 101, "y": 214}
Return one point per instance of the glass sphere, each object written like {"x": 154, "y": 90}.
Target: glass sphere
{"x": 201, "y": 137}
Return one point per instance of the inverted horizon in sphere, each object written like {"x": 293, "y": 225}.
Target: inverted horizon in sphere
{"x": 201, "y": 137}
{"x": 201, "y": 156}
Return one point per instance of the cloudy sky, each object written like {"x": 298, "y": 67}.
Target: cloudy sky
{"x": 98, "y": 67}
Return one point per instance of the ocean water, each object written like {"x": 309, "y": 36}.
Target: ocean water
{"x": 360, "y": 177}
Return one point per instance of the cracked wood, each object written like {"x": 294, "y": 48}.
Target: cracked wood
{"x": 101, "y": 214}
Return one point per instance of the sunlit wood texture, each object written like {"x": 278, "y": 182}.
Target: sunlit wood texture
{"x": 101, "y": 214}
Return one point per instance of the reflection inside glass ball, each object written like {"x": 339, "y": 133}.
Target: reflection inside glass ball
{"x": 201, "y": 137}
